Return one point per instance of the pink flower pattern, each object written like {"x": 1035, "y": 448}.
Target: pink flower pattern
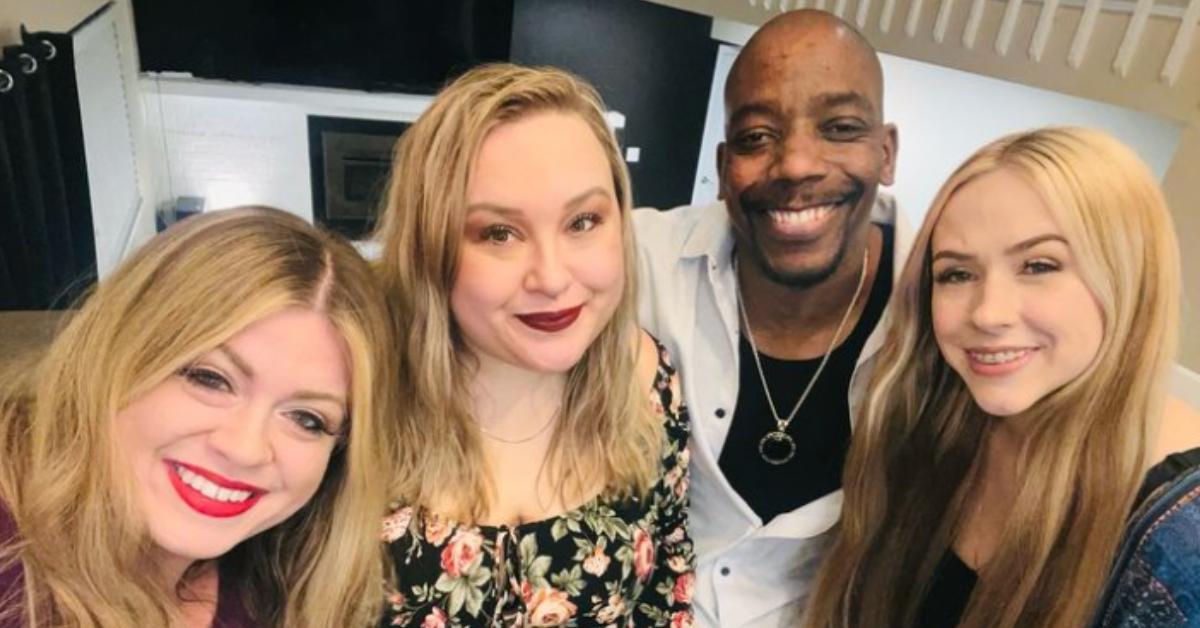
{"x": 396, "y": 524}
{"x": 435, "y": 619}
{"x": 608, "y": 563}
{"x": 549, "y": 607}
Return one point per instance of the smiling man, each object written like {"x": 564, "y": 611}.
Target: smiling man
{"x": 772, "y": 301}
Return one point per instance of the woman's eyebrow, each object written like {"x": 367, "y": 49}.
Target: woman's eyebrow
{"x": 314, "y": 395}
{"x": 1027, "y": 244}
{"x": 237, "y": 360}
{"x": 514, "y": 213}
{"x": 1023, "y": 245}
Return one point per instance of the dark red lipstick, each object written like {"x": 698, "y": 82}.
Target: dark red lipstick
{"x": 551, "y": 321}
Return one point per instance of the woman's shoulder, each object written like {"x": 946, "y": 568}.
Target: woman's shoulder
{"x": 1175, "y": 450}
{"x": 231, "y": 604}
{"x": 8, "y": 526}
{"x": 654, "y": 363}
{"x": 1179, "y": 430}
{"x": 657, "y": 374}
{"x": 648, "y": 358}
{"x": 1156, "y": 577}
{"x": 11, "y": 573}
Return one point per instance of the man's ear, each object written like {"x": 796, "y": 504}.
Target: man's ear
{"x": 891, "y": 143}
{"x": 721, "y": 171}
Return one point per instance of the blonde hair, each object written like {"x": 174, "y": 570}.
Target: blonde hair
{"x": 85, "y": 555}
{"x": 607, "y": 434}
{"x": 910, "y": 464}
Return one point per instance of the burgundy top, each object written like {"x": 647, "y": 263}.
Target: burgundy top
{"x": 230, "y": 611}
{"x": 10, "y": 578}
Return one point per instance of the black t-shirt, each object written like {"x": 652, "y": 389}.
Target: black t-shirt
{"x": 821, "y": 428}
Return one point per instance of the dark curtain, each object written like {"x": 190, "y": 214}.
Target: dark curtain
{"x": 47, "y": 247}
{"x": 8, "y": 289}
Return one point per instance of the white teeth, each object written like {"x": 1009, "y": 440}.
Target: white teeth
{"x": 998, "y": 357}
{"x": 803, "y": 216}
{"x": 209, "y": 489}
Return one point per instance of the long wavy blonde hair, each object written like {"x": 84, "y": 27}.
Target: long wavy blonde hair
{"x": 608, "y": 435}
{"x": 84, "y": 552}
{"x": 910, "y": 464}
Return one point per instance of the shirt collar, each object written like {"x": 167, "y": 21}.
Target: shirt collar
{"x": 711, "y": 236}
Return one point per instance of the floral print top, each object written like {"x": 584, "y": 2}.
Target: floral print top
{"x": 607, "y": 563}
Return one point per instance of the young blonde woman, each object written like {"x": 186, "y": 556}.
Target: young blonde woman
{"x": 546, "y": 483}
{"x": 201, "y": 444}
{"x": 1022, "y": 405}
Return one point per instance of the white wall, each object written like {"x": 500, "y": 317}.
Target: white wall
{"x": 120, "y": 212}
{"x": 238, "y": 144}
{"x": 943, "y": 115}
{"x": 1185, "y": 384}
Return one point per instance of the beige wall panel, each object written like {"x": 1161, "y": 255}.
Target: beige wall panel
{"x": 1182, "y": 188}
{"x": 1095, "y": 79}
{"x": 37, "y": 15}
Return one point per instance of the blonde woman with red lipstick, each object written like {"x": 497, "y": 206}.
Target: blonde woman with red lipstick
{"x": 1019, "y": 430}
{"x": 545, "y": 476}
{"x": 200, "y": 444}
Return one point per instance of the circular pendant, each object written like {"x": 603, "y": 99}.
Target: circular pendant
{"x": 776, "y": 447}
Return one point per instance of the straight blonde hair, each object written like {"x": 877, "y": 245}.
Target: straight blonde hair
{"x": 910, "y": 463}
{"x": 83, "y": 550}
{"x": 608, "y": 434}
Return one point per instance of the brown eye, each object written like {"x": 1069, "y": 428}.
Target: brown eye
{"x": 585, "y": 222}
{"x": 751, "y": 140}
{"x": 844, "y": 130}
{"x": 498, "y": 234}
{"x": 953, "y": 275}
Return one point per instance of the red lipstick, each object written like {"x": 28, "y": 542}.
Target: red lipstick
{"x": 551, "y": 321}
{"x": 206, "y": 505}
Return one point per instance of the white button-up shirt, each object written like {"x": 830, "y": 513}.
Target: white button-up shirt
{"x": 747, "y": 573}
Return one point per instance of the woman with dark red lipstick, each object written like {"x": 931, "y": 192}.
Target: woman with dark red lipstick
{"x": 1018, "y": 463}
{"x": 201, "y": 443}
{"x": 545, "y": 476}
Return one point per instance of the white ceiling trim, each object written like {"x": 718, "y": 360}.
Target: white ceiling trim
{"x": 1139, "y": 10}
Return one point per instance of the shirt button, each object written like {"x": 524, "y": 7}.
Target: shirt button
{"x": 724, "y": 571}
{"x": 720, "y": 413}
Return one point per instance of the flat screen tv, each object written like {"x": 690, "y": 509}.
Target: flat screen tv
{"x": 410, "y": 46}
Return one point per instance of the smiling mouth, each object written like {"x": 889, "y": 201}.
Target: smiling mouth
{"x": 211, "y": 494}
{"x": 551, "y": 321}
{"x": 804, "y": 215}
{"x": 999, "y": 361}
{"x": 803, "y": 222}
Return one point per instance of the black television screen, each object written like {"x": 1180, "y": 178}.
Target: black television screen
{"x": 410, "y": 46}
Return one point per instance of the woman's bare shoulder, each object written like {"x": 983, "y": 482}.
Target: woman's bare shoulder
{"x": 1180, "y": 429}
{"x": 647, "y": 359}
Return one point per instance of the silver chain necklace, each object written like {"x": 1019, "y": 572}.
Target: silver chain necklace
{"x": 777, "y": 447}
